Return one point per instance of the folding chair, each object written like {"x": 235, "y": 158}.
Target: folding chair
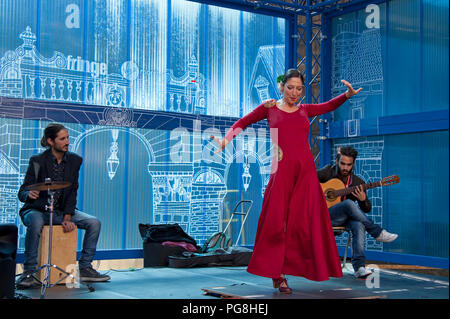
{"x": 339, "y": 230}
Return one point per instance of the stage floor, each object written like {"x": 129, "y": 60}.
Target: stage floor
{"x": 191, "y": 283}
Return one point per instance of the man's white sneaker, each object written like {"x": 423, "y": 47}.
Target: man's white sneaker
{"x": 363, "y": 272}
{"x": 386, "y": 237}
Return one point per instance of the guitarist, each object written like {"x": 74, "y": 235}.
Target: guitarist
{"x": 347, "y": 213}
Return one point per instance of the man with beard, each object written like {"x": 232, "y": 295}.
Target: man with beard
{"x": 347, "y": 213}
{"x": 58, "y": 164}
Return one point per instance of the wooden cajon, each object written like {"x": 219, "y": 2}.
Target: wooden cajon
{"x": 64, "y": 253}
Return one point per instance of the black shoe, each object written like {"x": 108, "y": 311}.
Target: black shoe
{"x": 90, "y": 274}
{"x": 26, "y": 280}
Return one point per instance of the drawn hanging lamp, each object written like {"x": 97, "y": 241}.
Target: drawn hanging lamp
{"x": 246, "y": 177}
{"x": 112, "y": 163}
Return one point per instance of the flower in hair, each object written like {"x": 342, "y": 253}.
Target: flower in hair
{"x": 280, "y": 78}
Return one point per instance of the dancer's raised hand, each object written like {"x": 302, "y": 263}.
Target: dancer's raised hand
{"x": 350, "y": 91}
{"x": 220, "y": 143}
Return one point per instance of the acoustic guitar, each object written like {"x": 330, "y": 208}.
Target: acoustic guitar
{"x": 334, "y": 189}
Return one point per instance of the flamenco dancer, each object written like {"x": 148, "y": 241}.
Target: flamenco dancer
{"x": 294, "y": 234}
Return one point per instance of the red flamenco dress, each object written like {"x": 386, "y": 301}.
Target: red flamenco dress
{"x": 294, "y": 234}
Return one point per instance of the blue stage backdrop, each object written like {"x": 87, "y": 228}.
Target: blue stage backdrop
{"x": 173, "y": 55}
{"x": 141, "y": 85}
{"x": 398, "y": 52}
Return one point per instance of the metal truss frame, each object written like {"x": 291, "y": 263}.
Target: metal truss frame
{"x": 308, "y": 49}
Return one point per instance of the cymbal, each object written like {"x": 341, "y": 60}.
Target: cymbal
{"x": 48, "y": 186}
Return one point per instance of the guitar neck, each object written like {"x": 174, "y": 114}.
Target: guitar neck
{"x": 346, "y": 191}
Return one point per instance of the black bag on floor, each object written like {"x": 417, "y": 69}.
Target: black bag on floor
{"x": 156, "y": 254}
{"x": 218, "y": 249}
{"x": 232, "y": 256}
{"x": 159, "y": 233}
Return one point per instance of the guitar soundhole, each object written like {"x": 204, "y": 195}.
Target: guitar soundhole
{"x": 329, "y": 195}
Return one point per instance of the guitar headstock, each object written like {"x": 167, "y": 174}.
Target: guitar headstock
{"x": 390, "y": 180}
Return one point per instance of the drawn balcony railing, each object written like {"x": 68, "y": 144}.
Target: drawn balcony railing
{"x": 48, "y": 85}
{"x": 26, "y": 73}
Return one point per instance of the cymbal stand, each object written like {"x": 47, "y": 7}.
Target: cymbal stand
{"x": 45, "y": 283}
